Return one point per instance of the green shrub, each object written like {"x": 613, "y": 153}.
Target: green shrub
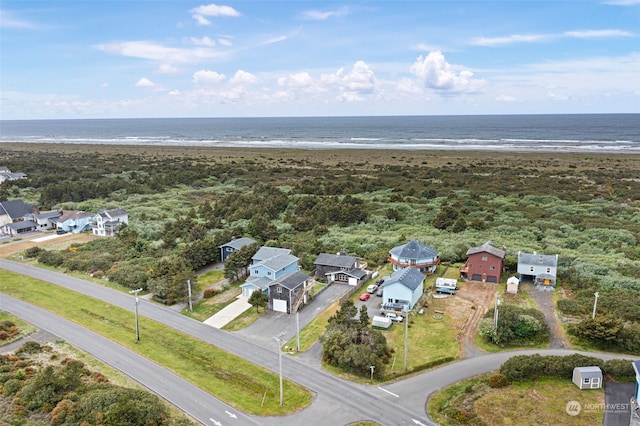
{"x": 618, "y": 369}
{"x": 498, "y": 380}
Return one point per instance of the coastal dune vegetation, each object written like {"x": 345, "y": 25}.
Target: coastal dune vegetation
{"x": 185, "y": 202}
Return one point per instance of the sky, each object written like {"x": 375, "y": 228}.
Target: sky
{"x": 164, "y": 58}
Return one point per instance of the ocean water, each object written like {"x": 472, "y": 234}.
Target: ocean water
{"x": 597, "y": 133}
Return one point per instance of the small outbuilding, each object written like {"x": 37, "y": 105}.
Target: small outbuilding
{"x": 512, "y": 285}
{"x": 381, "y": 322}
{"x": 587, "y": 377}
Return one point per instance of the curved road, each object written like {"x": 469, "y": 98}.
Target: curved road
{"x": 335, "y": 401}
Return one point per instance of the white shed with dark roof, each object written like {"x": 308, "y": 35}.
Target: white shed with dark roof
{"x": 587, "y": 377}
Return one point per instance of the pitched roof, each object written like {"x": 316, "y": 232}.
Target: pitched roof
{"x": 487, "y": 247}
{"x": 265, "y": 252}
{"x": 337, "y": 260}
{"x": 74, "y": 214}
{"x": 414, "y": 249}
{"x": 537, "y": 259}
{"x": 113, "y": 213}
{"x": 238, "y": 243}
{"x": 292, "y": 280}
{"x": 15, "y": 208}
{"x": 23, "y": 224}
{"x": 408, "y": 277}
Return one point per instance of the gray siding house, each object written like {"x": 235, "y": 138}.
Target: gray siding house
{"x": 339, "y": 268}
{"x": 288, "y": 293}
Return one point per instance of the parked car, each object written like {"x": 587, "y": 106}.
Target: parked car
{"x": 380, "y": 282}
{"x": 379, "y": 293}
{"x": 394, "y": 317}
{"x": 372, "y": 288}
{"x": 60, "y": 231}
{"x": 365, "y": 296}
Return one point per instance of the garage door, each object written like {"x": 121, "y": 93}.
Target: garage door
{"x": 279, "y": 305}
{"x": 492, "y": 279}
{"x": 476, "y": 277}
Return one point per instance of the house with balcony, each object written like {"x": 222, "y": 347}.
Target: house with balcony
{"x": 289, "y": 292}
{"x": 414, "y": 255}
{"x": 485, "y": 263}
{"x": 107, "y": 222}
{"x": 75, "y": 221}
{"x": 540, "y": 269}
{"x": 403, "y": 289}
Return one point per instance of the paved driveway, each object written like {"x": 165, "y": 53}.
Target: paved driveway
{"x": 272, "y": 323}
{"x": 617, "y": 396}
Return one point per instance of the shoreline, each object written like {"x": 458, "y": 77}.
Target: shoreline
{"x": 361, "y": 157}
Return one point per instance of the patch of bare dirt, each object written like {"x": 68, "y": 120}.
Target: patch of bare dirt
{"x": 482, "y": 296}
{"x": 61, "y": 242}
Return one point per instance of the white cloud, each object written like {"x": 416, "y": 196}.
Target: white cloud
{"x": 168, "y": 69}
{"x": 276, "y": 39}
{"x": 8, "y": 21}
{"x": 558, "y": 97}
{"x": 515, "y": 38}
{"x": 598, "y": 34}
{"x": 436, "y": 73}
{"x": 206, "y": 78}
{"x": 318, "y": 15}
{"x": 203, "y": 41}
{"x": 145, "y": 82}
{"x": 153, "y": 51}
{"x": 201, "y": 12}
{"x": 243, "y": 78}
{"x": 506, "y": 98}
{"x": 225, "y": 42}
{"x": 354, "y": 85}
{"x": 300, "y": 79}
{"x": 622, "y": 2}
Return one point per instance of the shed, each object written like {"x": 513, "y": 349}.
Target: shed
{"x": 381, "y": 322}
{"x": 587, "y": 377}
{"x": 512, "y": 285}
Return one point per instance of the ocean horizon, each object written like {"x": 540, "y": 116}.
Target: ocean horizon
{"x": 577, "y": 133}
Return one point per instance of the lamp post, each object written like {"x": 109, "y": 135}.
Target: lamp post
{"x": 595, "y": 303}
{"x": 280, "y": 341}
{"x": 372, "y": 368}
{"x": 135, "y": 292}
{"x": 406, "y": 339}
{"x": 495, "y": 315}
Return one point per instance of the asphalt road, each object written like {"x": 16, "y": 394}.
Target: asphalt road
{"x": 335, "y": 401}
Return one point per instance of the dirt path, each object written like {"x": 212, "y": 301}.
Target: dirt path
{"x": 482, "y": 295}
{"x": 546, "y": 305}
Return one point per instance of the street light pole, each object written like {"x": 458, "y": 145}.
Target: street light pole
{"x": 595, "y": 302}
{"x": 137, "y": 324}
{"x": 279, "y": 339}
{"x": 495, "y": 315}
{"x": 372, "y": 367}
{"x": 406, "y": 340}
{"x": 189, "y": 286}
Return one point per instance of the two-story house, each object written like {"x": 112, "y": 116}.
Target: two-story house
{"x": 289, "y": 292}
{"x": 415, "y": 255}
{"x": 484, "y": 263}
{"x": 403, "y": 289}
{"x": 107, "y": 222}
{"x": 541, "y": 269}
{"x": 267, "y": 265}
{"x": 16, "y": 217}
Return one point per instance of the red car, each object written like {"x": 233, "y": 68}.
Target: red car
{"x": 365, "y": 296}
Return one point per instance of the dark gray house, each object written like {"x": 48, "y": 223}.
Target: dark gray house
{"x": 340, "y": 268}
{"x": 289, "y": 293}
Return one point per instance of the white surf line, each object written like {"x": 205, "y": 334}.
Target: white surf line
{"x": 389, "y": 392}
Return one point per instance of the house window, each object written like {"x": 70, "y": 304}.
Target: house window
{"x": 586, "y": 380}
{"x": 530, "y": 268}
{"x": 268, "y": 273}
{"x": 278, "y": 289}
{"x": 492, "y": 267}
{"x": 413, "y": 261}
{"x": 485, "y": 258}
{"x": 548, "y": 270}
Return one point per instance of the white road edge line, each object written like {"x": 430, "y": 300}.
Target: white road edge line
{"x": 389, "y": 392}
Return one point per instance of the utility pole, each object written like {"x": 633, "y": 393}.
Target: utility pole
{"x": 595, "y": 303}
{"x": 135, "y": 292}
{"x": 495, "y": 314}
{"x": 406, "y": 339}
{"x": 280, "y": 341}
{"x": 189, "y": 287}
{"x": 297, "y": 331}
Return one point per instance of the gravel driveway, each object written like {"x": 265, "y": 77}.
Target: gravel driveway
{"x": 546, "y": 305}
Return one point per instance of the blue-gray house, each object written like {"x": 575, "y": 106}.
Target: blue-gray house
{"x": 404, "y": 287}
{"x": 415, "y": 255}
{"x": 268, "y": 265}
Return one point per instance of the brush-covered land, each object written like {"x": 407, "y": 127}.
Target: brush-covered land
{"x": 185, "y": 202}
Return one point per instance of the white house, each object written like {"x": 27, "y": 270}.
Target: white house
{"x": 107, "y": 222}
{"x": 541, "y": 269}
{"x": 404, "y": 287}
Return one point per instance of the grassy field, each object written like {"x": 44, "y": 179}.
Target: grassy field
{"x": 530, "y": 403}
{"x": 232, "y": 379}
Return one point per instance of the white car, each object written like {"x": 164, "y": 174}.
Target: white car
{"x": 372, "y": 288}
{"x": 394, "y": 317}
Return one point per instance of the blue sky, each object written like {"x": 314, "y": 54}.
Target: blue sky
{"x": 139, "y": 58}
